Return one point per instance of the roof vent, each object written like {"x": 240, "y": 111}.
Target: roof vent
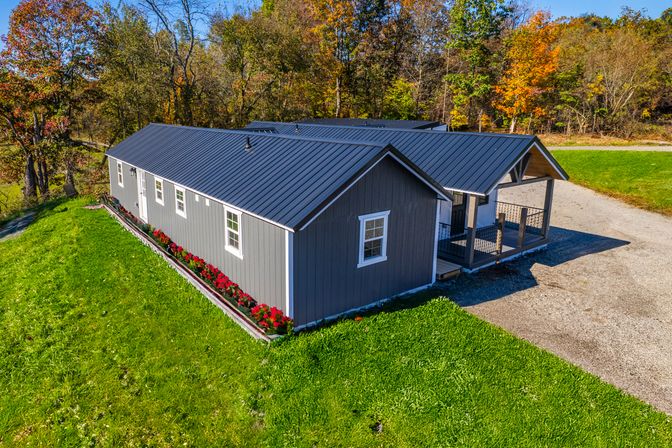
{"x": 248, "y": 144}
{"x": 296, "y": 128}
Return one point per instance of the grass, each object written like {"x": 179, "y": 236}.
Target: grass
{"x": 103, "y": 344}
{"x": 603, "y": 140}
{"x": 641, "y": 178}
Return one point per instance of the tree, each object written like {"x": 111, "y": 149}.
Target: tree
{"x": 131, "y": 80}
{"x": 532, "y": 62}
{"x": 48, "y": 55}
{"x": 474, "y": 25}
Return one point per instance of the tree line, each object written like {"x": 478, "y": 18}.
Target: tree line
{"x": 72, "y": 74}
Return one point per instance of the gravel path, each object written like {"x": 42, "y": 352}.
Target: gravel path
{"x": 599, "y": 297}
{"x": 16, "y": 227}
{"x": 657, "y": 148}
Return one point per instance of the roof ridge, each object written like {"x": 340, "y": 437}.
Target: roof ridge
{"x": 276, "y": 136}
{"x": 425, "y": 131}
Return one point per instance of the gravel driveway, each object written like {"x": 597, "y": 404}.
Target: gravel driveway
{"x": 600, "y": 296}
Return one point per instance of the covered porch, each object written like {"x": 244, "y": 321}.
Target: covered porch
{"x": 481, "y": 229}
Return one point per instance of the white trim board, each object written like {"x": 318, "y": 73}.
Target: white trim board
{"x": 289, "y": 273}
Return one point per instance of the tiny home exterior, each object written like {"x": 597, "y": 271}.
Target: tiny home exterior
{"x": 314, "y": 227}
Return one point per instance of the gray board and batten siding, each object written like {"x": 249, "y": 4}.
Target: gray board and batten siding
{"x": 460, "y": 161}
{"x": 261, "y": 272}
{"x": 295, "y": 186}
{"x": 328, "y": 282}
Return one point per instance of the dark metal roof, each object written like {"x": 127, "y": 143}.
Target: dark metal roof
{"x": 460, "y": 161}
{"x": 282, "y": 178}
{"x": 373, "y": 122}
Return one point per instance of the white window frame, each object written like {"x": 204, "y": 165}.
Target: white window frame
{"x": 158, "y": 180}
{"x": 238, "y": 252}
{"x": 182, "y": 213}
{"x": 120, "y": 173}
{"x": 363, "y": 219}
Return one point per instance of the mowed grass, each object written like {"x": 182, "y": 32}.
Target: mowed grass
{"x": 102, "y": 344}
{"x": 641, "y": 178}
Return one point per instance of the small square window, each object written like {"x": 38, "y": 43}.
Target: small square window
{"x": 372, "y": 238}
{"x": 196, "y": 198}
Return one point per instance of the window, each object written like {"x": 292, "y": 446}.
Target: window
{"x": 180, "y": 202}
{"x": 120, "y": 174}
{"x": 372, "y": 238}
{"x": 483, "y": 200}
{"x": 207, "y": 202}
{"x": 158, "y": 190}
{"x": 233, "y": 232}
{"x": 196, "y": 198}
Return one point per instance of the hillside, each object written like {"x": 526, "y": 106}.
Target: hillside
{"x": 104, "y": 344}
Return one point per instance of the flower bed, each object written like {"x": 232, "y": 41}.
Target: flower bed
{"x": 270, "y": 319}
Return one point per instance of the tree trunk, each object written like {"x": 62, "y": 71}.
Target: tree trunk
{"x": 480, "y": 120}
{"x": 69, "y": 186}
{"x": 512, "y": 127}
{"x": 29, "y": 180}
{"x": 338, "y": 97}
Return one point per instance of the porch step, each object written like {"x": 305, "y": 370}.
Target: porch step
{"x": 446, "y": 270}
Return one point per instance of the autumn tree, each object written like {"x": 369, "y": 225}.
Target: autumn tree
{"x": 532, "y": 58}
{"x": 47, "y": 64}
{"x": 474, "y": 26}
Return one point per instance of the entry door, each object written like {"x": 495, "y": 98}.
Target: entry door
{"x": 142, "y": 195}
{"x": 458, "y": 214}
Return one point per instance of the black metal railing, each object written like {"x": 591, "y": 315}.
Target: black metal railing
{"x": 452, "y": 245}
{"x": 513, "y": 212}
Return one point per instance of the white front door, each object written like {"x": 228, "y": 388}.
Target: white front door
{"x": 142, "y": 195}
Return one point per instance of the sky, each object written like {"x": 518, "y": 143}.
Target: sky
{"x": 557, "y": 7}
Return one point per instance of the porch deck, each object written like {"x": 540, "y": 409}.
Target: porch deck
{"x": 514, "y": 239}
{"x": 453, "y": 249}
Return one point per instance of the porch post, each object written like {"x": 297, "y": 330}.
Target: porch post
{"x": 472, "y": 220}
{"x": 548, "y": 202}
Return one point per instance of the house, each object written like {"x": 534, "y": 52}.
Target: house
{"x": 475, "y": 228}
{"x": 312, "y": 226}
{"x": 322, "y": 219}
{"x": 376, "y": 123}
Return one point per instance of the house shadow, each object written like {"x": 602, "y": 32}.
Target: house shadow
{"x": 500, "y": 280}
{"x": 507, "y": 278}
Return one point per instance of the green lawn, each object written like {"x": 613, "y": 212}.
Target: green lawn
{"x": 103, "y": 344}
{"x": 642, "y": 178}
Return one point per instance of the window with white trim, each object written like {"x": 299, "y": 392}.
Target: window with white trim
{"x": 120, "y": 174}
{"x": 158, "y": 190}
{"x": 180, "y": 202}
{"x": 373, "y": 238}
{"x": 233, "y": 232}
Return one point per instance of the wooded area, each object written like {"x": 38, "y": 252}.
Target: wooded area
{"x": 71, "y": 74}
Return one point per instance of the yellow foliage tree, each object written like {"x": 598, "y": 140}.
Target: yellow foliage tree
{"x": 533, "y": 61}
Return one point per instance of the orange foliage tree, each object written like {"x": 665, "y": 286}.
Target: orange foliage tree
{"x": 532, "y": 62}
